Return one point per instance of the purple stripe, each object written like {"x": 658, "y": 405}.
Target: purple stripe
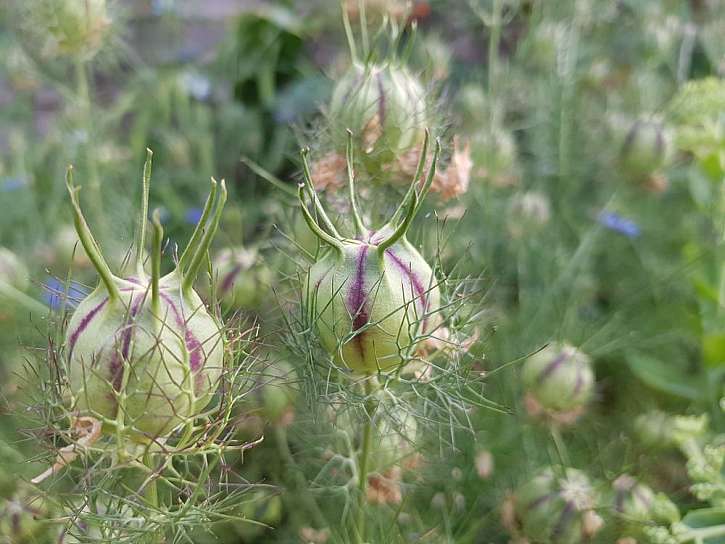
{"x": 552, "y": 366}
{"x": 566, "y": 515}
{"x": 415, "y": 283}
{"x": 356, "y": 300}
{"x": 83, "y": 325}
{"x": 228, "y": 280}
{"x": 193, "y": 345}
{"x": 541, "y": 500}
{"x": 118, "y": 358}
{"x": 381, "y": 100}
{"x": 579, "y": 380}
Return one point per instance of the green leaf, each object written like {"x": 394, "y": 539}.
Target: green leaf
{"x": 664, "y": 377}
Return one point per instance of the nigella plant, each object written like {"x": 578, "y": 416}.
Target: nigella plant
{"x": 390, "y": 358}
{"x": 144, "y": 385}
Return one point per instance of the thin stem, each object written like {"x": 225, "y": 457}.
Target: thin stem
{"x": 269, "y": 177}
{"x": 87, "y": 240}
{"x": 199, "y": 229}
{"x": 348, "y": 32}
{"x": 201, "y": 252}
{"x": 431, "y": 174}
{"x": 494, "y": 38}
{"x": 84, "y": 98}
{"x": 359, "y": 227}
{"x": 364, "y": 458}
{"x": 402, "y": 228}
{"x": 151, "y": 492}
{"x": 141, "y": 242}
{"x": 363, "y": 28}
{"x": 156, "y": 262}
{"x": 312, "y": 224}
{"x": 416, "y": 177}
{"x": 311, "y": 188}
{"x": 560, "y": 445}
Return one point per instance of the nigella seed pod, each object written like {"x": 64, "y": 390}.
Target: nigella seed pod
{"x": 371, "y": 296}
{"x": 637, "y": 506}
{"x": 144, "y": 355}
{"x": 556, "y": 506}
{"x": 384, "y": 105}
{"x": 559, "y": 378}
{"x": 645, "y": 150}
{"x": 242, "y": 280}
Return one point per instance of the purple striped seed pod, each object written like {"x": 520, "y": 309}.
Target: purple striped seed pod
{"x": 384, "y": 105}
{"x": 556, "y": 506}
{"x": 559, "y": 377}
{"x": 242, "y": 280}
{"x": 373, "y": 296}
{"x": 144, "y": 354}
{"x": 632, "y": 501}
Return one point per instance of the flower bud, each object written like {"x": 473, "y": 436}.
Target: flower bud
{"x": 371, "y": 296}
{"x": 383, "y": 105}
{"x": 556, "y": 506}
{"x": 559, "y": 377}
{"x": 143, "y": 353}
{"x": 243, "y": 280}
{"x": 645, "y": 150}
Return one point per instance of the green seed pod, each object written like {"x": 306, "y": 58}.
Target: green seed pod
{"x": 632, "y": 500}
{"x": 645, "y": 149}
{"x": 242, "y": 280}
{"x": 559, "y": 377}
{"x": 64, "y": 27}
{"x": 384, "y": 105}
{"x": 144, "y": 354}
{"x": 638, "y": 506}
{"x": 372, "y": 296}
{"x": 557, "y": 507}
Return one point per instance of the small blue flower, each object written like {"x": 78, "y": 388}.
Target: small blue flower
{"x": 615, "y": 222}
{"x": 193, "y": 215}
{"x": 54, "y": 293}
{"x": 10, "y": 184}
{"x": 197, "y": 85}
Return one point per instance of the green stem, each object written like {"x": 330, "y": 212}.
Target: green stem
{"x": 86, "y": 121}
{"x": 364, "y": 459}
{"x": 141, "y": 242}
{"x": 151, "y": 495}
{"x": 494, "y": 38}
